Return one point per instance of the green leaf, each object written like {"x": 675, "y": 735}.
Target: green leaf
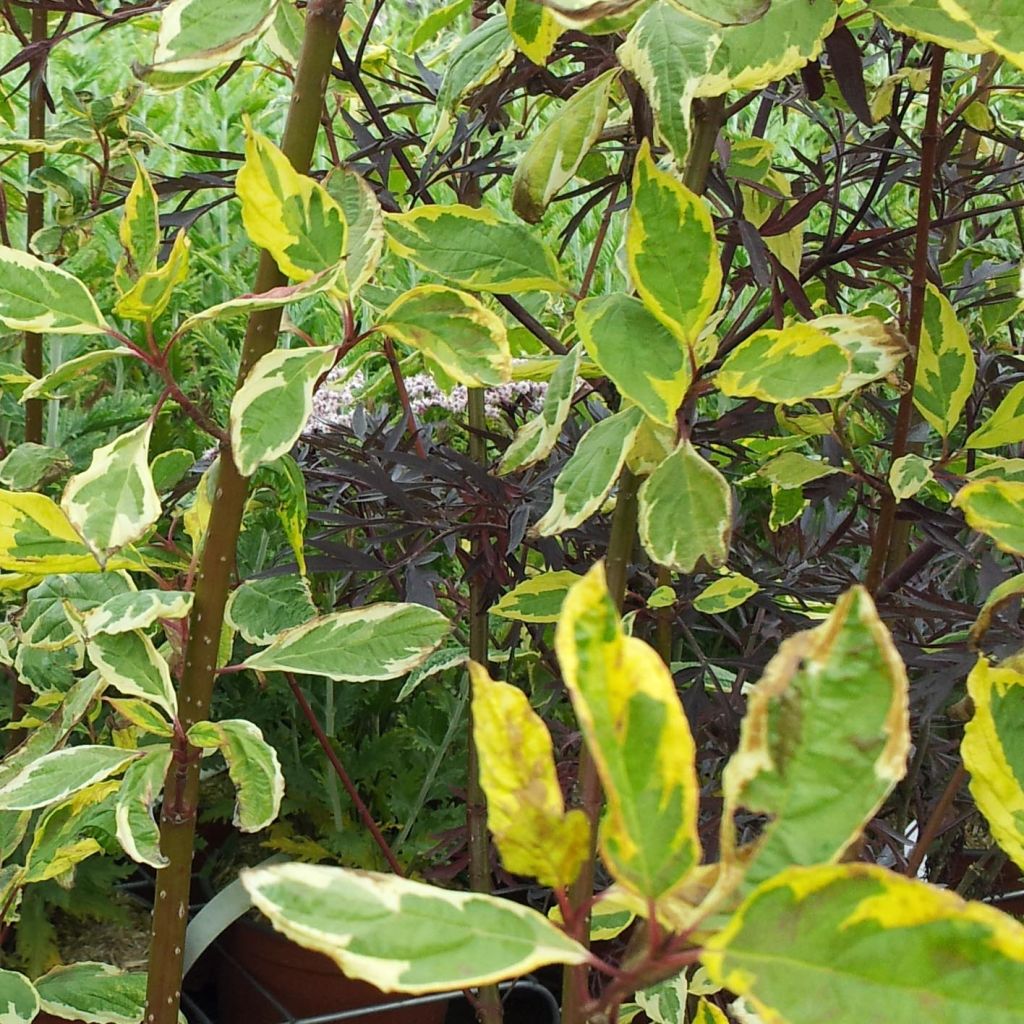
{"x": 365, "y": 236}
{"x": 611, "y": 327}
{"x": 686, "y": 512}
{"x": 37, "y": 296}
{"x": 1004, "y": 426}
{"x": 908, "y": 475}
{"x": 253, "y": 766}
{"x": 29, "y": 466}
{"x": 479, "y": 58}
{"x": 260, "y": 609}
{"x": 474, "y": 248}
{"x": 538, "y": 436}
{"x": 534, "y": 29}
{"x": 131, "y": 664}
{"x": 381, "y": 641}
{"x": 149, "y": 296}
{"x": 93, "y": 993}
{"x": 926, "y": 19}
{"x": 404, "y": 936}
{"x": 996, "y": 508}
{"x": 727, "y": 592}
{"x": 455, "y": 330}
{"x": 590, "y": 474}
{"x": 538, "y": 599}
{"x": 667, "y": 224}
{"x": 73, "y": 372}
{"x": 857, "y": 935}
{"x": 634, "y": 725}
{"x": 556, "y": 153}
{"x": 271, "y": 407}
{"x": 198, "y": 36}
{"x": 526, "y": 812}
{"x": 289, "y": 214}
{"x": 18, "y": 998}
{"x": 994, "y": 754}
{"x": 137, "y": 831}
{"x": 56, "y": 776}
{"x": 785, "y": 366}
{"x": 668, "y": 52}
{"x": 823, "y": 742}
{"x": 945, "y": 365}
{"x": 441, "y": 660}
{"x": 997, "y": 24}
{"x": 136, "y": 610}
{"x": 114, "y": 502}
{"x": 435, "y": 22}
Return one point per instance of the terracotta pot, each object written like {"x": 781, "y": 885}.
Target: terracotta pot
{"x": 305, "y": 983}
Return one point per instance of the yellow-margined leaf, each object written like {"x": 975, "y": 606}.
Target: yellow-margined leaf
{"x": 149, "y": 296}
{"x": 612, "y": 328}
{"x": 1005, "y": 425}
{"x": 114, "y": 501}
{"x": 786, "y": 366}
{"x": 557, "y": 152}
{"x": 823, "y": 742}
{"x": 271, "y": 407}
{"x": 927, "y": 20}
{"x": 589, "y": 476}
{"x": 996, "y": 508}
{"x": 582, "y": 13}
{"x": 139, "y": 230}
{"x": 727, "y": 592}
{"x": 525, "y": 809}
{"x": 74, "y": 373}
{"x": 875, "y": 348}
{"x": 137, "y": 832}
{"x": 945, "y": 365}
{"x": 993, "y": 753}
{"x": 538, "y": 599}
{"x": 253, "y": 766}
{"x": 475, "y": 248}
{"x": 668, "y": 226}
{"x": 535, "y": 30}
{"x": 404, "y": 936}
{"x": 37, "y": 296}
{"x": 855, "y": 934}
{"x": 455, "y": 330}
{"x": 908, "y": 474}
{"x": 289, "y": 214}
{"x": 365, "y": 221}
{"x": 478, "y": 58}
{"x": 686, "y": 512}
{"x": 538, "y": 436}
{"x": 626, "y": 703}
{"x": 997, "y": 24}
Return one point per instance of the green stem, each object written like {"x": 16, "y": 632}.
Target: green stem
{"x": 177, "y": 827}
{"x": 489, "y": 1008}
{"x": 883, "y": 549}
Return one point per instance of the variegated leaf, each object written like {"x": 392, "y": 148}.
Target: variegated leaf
{"x": 824, "y": 740}
{"x": 148, "y": 297}
{"x": 537, "y": 599}
{"x": 686, "y": 512}
{"x": 996, "y": 23}
{"x": 996, "y": 508}
{"x": 727, "y": 592}
{"x": 406, "y": 936}
{"x": 856, "y": 933}
{"x": 525, "y": 808}
{"x": 253, "y": 766}
{"x": 271, "y": 407}
{"x": 137, "y": 831}
{"x": 380, "y": 641}
{"x": 1005, "y": 425}
{"x": 992, "y": 752}
{"x": 260, "y": 609}
{"x": 56, "y": 776}
{"x": 556, "y": 153}
{"x": 139, "y": 230}
{"x": 927, "y": 20}
{"x": 94, "y": 993}
{"x": 130, "y": 663}
{"x": 626, "y": 703}
{"x": 945, "y": 365}
{"x": 19, "y": 1001}
{"x": 114, "y": 502}
{"x": 534, "y": 29}
{"x": 136, "y": 610}
{"x": 365, "y": 236}
{"x": 589, "y": 476}
{"x": 454, "y": 330}
{"x": 474, "y": 248}
{"x": 71, "y": 373}
{"x": 37, "y": 296}
{"x": 289, "y": 214}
